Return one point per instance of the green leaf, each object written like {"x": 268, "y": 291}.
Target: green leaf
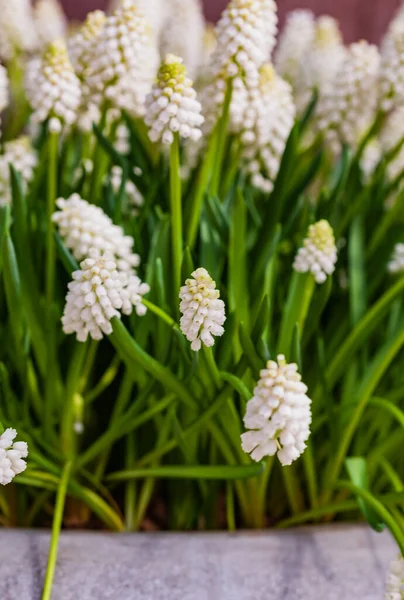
{"x": 226, "y": 472}
{"x": 357, "y": 471}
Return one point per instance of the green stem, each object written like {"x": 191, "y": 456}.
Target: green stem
{"x": 56, "y": 527}
{"x": 72, "y": 386}
{"x": 222, "y": 128}
{"x": 176, "y": 212}
{"x": 297, "y": 305}
{"x": 50, "y": 240}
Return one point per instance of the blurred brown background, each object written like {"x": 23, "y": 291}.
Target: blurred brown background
{"x": 359, "y": 18}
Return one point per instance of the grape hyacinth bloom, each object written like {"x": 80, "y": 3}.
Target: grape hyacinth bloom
{"x": 396, "y": 265}
{"x": 294, "y": 43}
{"x": 81, "y": 44}
{"x": 318, "y": 255}
{"x": 23, "y": 157}
{"x": 11, "y": 456}
{"x": 17, "y": 30}
{"x": 391, "y": 87}
{"x": 395, "y": 581}
{"x": 203, "y": 313}
{"x": 84, "y": 226}
{"x": 50, "y": 21}
{"x": 278, "y": 416}
{"x": 268, "y": 121}
{"x": 172, "y": 106}
{"x": 56, "y": 95}
{"x": 97, "y": 294}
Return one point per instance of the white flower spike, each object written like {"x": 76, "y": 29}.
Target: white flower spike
{"x": 395, "y": 581}
{"x": 23, "y": 157}
{"x": 84, "y": 226}
{"x": 294, "y": 43}
{"x": 57, "y": 94}
{"x": 50, "y": 21}
{"x": 203, "y": 313}
{"x": 396, "y": 265}
{"x": 318, "y": 255}
{"x": 172, "y": 106}
{"x": 11, "y": 456}
{"x": 278, "y": 415}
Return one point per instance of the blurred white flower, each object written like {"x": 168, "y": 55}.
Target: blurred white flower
{"x": 396, "y": 265}
{"x": 84, "y": 226}
{"x": 172, "y": 106}
{"x": 183, "y": 32}
{"x": 134, "y": 199}
{"x": 347, "y": 107}
{"x": 50, "y": 21}
{"x": 203, "y": 313}
{"x": 391, "y": 135}
{"x": 294, "y": 44}
{"x": 395, "y": 581}
{"x": 318, "y": 255}
{"x": 391, "y": 93}
{"x": 11, "y": 456}
{"x": 278, "y": 415}
{"x": 17, "y": 30}
{"x": 23, "y": 157}
{"x": 56, "y": 93}
{"x": 267, "y": 122}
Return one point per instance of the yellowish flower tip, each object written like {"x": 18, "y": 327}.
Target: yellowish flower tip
{"x": 93, "y": 24}
{"x": 172, "y": 71}
{"x": 321, "y": 235}
{"x": 56, "y": 57}
{"x": 267, "y": 75}
{"x": 327, "y": 32}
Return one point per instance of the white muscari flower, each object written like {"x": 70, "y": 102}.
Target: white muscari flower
{"x": 172, "y": 106}
{"x": 390, "y": 136}
{"x": 278, "y": 415}
{"x": 391, "y": 86}
{"x": 81, "y": 44}
{"x": 84, "y": 226}
{"x": 122, "y": 139}
{"x": 396, "y": 265}
{"x": 318, "y": 255}
{"x": 294, "y": 43}
{"x": 395, "y": 581}
{"x": 154, "y": 11}
{"x": 98, "y": 293}
{"x": 134, "y": 199}
{"x": 203, "y": 313}
{"x": 267, "y": 122}
{"x": 183, "y": 32}
{"x": 124, "y": 60}
{"x": 209, "y": 43}
{"x": 11, "y": 456}
{"x": 17, "y": 30}
{"x": 50, "y": 21}
{"x": 56, "y": 95}
{"x": 322, "y": 62}
{"x": 348, "y": 106}
{"x": 23, "y": 157}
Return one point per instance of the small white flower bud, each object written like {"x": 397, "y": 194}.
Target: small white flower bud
{"x": 318, "y": 254}
{"x": 278, "y": 415}
{"x": 11, "y": 456}
{"x": 203, "y": 313}
{"x": 396, "y": 265}
{"x": 395, "y": 581}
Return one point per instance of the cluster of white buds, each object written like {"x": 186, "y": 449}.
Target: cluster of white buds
{"x": 183, "y": 33}
{"x": 245, "y": 37}
{"x": 322, "y": 62}
{"x": 172, "y": 106}
{"x": 268, "y": 121}
{"x": 4, "y": 90}
{"x": 278, "y": 415}
{"x": 395, "y": 581}
{"x": 391, "y": 87}
{"x": 203, "y": 313}
{"x": 98, "y": 293}
{"x": 347, "y": 107}
{"x": 294, "y": 43}
{"x": 80, "y": 45}
{"x": 396, "y": 265}
{"x": 84, "y": 226}
{"x": 155, "y": 12}
{"x": 56, "y": 95}
{"x": 17, "y": 30}
{"x": 23, "y": 157}
{"x": 50, "y": 21}
{"x": 318, "y": 255}
{"x": 123, "y": 59}
{"x": 134, "y": 199}
{"x": 11, "y": 456}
